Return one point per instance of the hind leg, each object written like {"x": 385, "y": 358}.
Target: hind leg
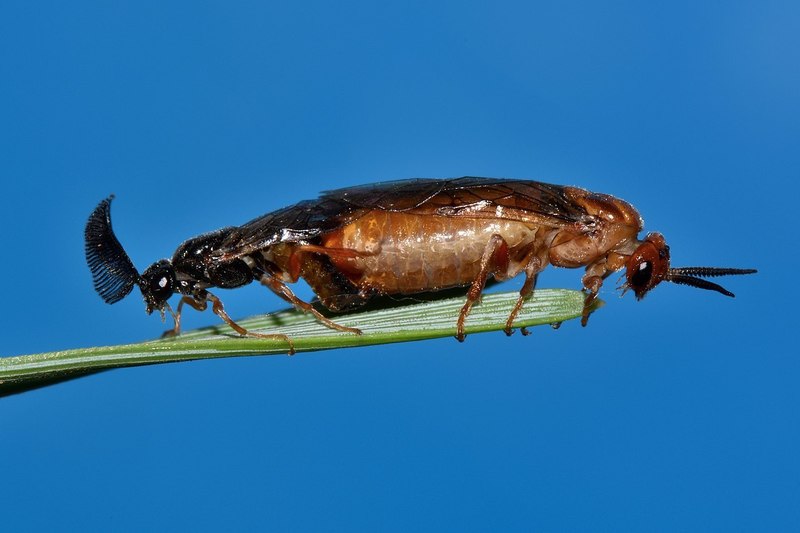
{"x": 280, "y": 288}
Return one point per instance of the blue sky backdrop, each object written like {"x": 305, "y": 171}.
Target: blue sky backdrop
{"x": 679, "y": 412}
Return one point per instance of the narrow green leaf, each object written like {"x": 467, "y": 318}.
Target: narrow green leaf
{"x": 426, "y": 320}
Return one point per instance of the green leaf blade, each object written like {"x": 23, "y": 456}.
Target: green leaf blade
{"x": 420, "y": 321}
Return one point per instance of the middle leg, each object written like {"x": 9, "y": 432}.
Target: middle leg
{"x": 219, "y": 310}
{"x": 495, "y": 256}
{"x": 532, "y": 268}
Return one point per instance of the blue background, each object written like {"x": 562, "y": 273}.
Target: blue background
{"x": 679, "y": 412}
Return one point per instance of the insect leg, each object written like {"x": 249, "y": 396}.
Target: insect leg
{"x": 176, "y": 315}
{"x": 592, "y": 281}
{"x": 219, "y": 310}
{"x": 532, "y": 269}
{"x": 496, "y": 251}
{"x": 280, "y": 288}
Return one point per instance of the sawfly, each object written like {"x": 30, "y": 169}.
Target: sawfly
{"x": 401, "y": 238}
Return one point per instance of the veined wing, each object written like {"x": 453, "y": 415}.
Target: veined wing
{"x": 523, "y": 200}
{"x": 533, "y": 202}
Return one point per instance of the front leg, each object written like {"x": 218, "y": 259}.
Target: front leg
{"x": 592, "y": 281}
{"x": 176, "y": 315}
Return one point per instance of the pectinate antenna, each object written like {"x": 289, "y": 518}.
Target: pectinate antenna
{"x": 112, "y": 270}
{"x": 692, "y": 276}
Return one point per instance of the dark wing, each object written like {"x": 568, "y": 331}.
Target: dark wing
{"x": 526, "y": 201}
{"x": 300, "y": 222}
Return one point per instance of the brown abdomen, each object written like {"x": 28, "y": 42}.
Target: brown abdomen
{"x": 399, "y": 253}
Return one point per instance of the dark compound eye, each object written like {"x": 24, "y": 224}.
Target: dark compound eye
{"x": 642, "y": 276}
{"x": 161, "y": 287}
{"x": 158, "y": 284}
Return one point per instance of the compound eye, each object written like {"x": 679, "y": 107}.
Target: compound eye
{"x": 648, "y": 265}
{"x": 641, "y": 276}
{"x": 161, "y": 286}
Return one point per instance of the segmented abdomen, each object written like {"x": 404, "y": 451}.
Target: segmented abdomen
{"x": 404, "y": 254}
